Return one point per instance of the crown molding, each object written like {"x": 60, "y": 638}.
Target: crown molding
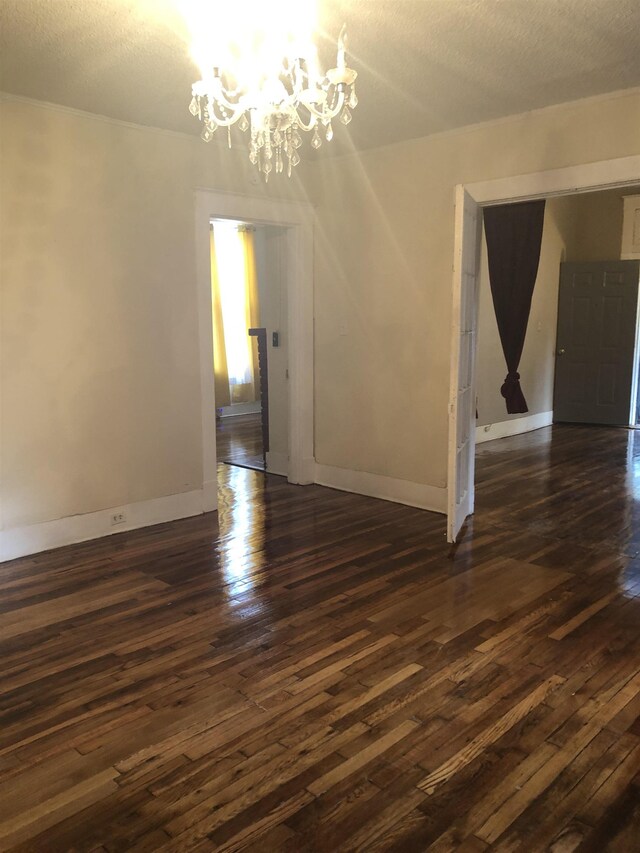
{"x": 73, "y": 111}
{"x": 512, "y": 118}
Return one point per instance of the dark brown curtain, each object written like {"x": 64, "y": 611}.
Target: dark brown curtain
{"x": 514, "y": 236}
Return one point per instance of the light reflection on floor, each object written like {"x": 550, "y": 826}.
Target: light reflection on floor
{"x": 241, "y": 510}
{"x": 239, "y": 441}
{"x": 575, "y": 486}
{"x": 633, "y": 464}
{"x": 544, "y": 507}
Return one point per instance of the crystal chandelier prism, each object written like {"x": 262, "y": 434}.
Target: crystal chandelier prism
{"x": 276, "y": 98}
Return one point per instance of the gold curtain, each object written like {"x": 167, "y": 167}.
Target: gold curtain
{"x": 223, "y": 396}
{"x": 252, "y": 300}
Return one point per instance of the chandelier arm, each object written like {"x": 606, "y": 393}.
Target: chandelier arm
{"x": 329, "y": 113}
{"x": 213, "y": 91}
{"x": 296, "y": 75}
{"x": 303, "y": 124}
{"x": 212, "y": 88}
{"x": 226, "y": 122}
{"x": 222, "y": 101}
{"x": 226, "y": 105}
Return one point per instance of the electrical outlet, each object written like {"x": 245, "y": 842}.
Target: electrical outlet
{"x": 118, "y": 518}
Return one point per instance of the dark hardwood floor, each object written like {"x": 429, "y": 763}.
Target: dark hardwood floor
{"x": 239, "y": 441}
{"x": 321, "y": 672}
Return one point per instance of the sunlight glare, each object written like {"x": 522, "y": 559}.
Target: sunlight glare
{"x": 250, "y": 38}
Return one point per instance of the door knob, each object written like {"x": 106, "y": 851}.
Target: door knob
{"x": 560, "y": 352}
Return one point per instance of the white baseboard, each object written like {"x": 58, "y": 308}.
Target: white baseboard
{"x": 278, "y": 463}
{"x": 34, "y": 538}
{"x": 21, "y": 541}
{"x": 305, "y": 472}
{"x": 386, "y": 488}
{"x": 514, "y": 427}
{"x": 236, "y": 409}
{"x": 209, "y": 496}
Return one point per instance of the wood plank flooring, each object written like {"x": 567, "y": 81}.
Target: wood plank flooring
{"x": 239, "y": 441}
{"x": 319, "y": 671}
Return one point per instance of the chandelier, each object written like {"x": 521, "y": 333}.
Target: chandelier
{"x": 268, "y": 83}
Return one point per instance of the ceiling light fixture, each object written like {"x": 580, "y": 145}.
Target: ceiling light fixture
{"x": 260, "y": 71}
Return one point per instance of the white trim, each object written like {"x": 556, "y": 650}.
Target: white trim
{"x": 630, "y": 242}
{"x": 454, "y": 345}
{"x": 210, "y": 495}
{"x": 298, "y": 218}
{"x": 491, "y": 123}
{"x": 460, "y": 505}
{"x": 22, "y": 541}
{"x": 635, "y": 378}
{"x": 604, "y": 174}
{"x": 512, "y": 118}
{"x": 277, "y": 463}
{"x": 406, "y": 492}
{"x": 515, "y": 427}
{"x": 237, "y": 409}
{"x": 217, "y": 141}
{"x": 205, "y": 338}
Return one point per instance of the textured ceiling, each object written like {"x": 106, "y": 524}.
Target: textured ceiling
{"x": 424, "y": 65}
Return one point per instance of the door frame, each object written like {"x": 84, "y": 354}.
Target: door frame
{"x": 298, "y": 219}
{"x": 464, "y": 327}
{"x": 588, "y": 177}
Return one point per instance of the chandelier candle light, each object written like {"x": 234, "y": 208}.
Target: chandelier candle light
{"x": 263, "y": 76}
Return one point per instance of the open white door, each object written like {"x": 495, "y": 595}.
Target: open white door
{"x": 460, "y": 490}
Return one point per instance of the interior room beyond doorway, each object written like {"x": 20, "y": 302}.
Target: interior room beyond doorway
{"x": 249, "y": 312}
{"x": 623, "y": 173}
{"x": 585, "y": 229}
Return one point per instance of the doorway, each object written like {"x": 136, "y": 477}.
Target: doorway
{"x": 249, "y": 299}
{"x": 624, "y": 172}
{"x": 295, "y": 219}
{"x": 577, "y": 362}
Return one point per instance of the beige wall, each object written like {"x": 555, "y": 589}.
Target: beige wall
{"x": 383, "y": 275}
{"x": 598, "y": 226}
{"x": 100, "y": 382}
{"x": 100, "y": 390}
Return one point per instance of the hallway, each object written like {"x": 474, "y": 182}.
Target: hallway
{"x": 319, "y": 671}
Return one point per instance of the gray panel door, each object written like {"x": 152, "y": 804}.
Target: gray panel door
{"x": 597, "y": 311}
